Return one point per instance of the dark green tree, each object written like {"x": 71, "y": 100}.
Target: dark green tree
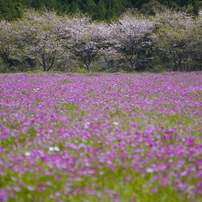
{"x": 37, "y": 4}
{"x": 10, "y": 9}
{"x": 75, "y": 7}
{"x": 151, "y": 8}
{"x": 100, "y": 11}
{"x": 88, "y": 6}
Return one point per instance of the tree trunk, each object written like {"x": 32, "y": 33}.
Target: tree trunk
{"x": 133, "y": 66}
{"x": 88, "y": 68}
{"x": 5, "y": 68}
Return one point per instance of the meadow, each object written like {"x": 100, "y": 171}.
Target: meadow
{"x": 101, "y": 137}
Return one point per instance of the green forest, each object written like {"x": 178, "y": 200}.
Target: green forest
{"x": 97, "y": 9}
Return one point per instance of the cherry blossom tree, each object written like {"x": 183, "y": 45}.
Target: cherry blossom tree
{"x": 173, "y": 37}
{"x": 196, "y": 44}
{"x": 86, "y": 40}
{"x": 8, "y": 47}
{"x": 130, "y": 35}
{"x": 39, "y": 34}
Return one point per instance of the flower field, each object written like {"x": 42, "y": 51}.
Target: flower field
{"x": 104, "y": 137}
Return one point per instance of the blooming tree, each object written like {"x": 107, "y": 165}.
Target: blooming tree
{"x": 40, "y": 36}
{"x": 130, "y": 35}
{"x": 196, "y": 43}
{"x": 8, "y": 47}
{"x": 87, "y": 41}
{"x": 174, "y": 35}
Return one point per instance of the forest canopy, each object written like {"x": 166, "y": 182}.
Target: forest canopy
{"x": 97, "y": 9}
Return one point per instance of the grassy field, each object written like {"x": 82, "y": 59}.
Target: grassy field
{"x": 103, "y": 137}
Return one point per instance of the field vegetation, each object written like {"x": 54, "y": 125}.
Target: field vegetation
{"x": 100, "y": 105}
{"x": 101, "y": 137}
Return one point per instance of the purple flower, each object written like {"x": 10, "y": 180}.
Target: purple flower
{"x": 3, "y": 195}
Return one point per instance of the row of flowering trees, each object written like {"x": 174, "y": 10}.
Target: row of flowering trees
{"x": 168, "y": 40}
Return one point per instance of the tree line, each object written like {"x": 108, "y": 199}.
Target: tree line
{"x": 98, "y": 9}
{"x": 170, "y": 41}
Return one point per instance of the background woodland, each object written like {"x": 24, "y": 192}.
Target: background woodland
{"x": 105, "y": 35}
{"x": 97, "y": 9}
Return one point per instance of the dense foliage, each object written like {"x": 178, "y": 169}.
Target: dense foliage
{"x": 44, "y": 41}
{"x": 108, "y": 137}
{"x": 98, "y": 9}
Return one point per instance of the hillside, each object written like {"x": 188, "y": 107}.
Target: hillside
{"x": 98, "y": 9}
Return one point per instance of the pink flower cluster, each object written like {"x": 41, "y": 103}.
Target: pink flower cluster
{"x": 70, "y": 135}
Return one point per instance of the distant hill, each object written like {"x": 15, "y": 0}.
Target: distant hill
{"x": 98, "y": 9}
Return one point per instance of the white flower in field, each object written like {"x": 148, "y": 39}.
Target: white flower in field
{"x": 53, "y": 149}
{"x": 56, "y": 149}
{"x": 150, "y": 170}
{"x": 116, "y": 123}
{"x": 27, "y": 153}
{"x": 30, "y": 188}
{"x": 102, "y": 172}
{"x": 86, "y": 124}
